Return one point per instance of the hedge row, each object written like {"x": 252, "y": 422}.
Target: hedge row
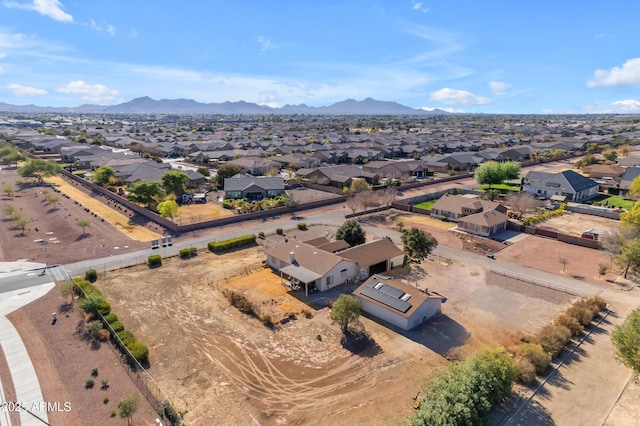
{"x": 218, "y": 246}
{"x": 93, "y": 302}
{"x": 545, "y": 216}
{"x": 154, "y": 260}
{"x": 534, "y": 358}
{"x": 186, "y": 253}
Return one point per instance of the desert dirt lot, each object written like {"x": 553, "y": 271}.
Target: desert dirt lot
{"x": 56, "y": 226}
{"x": 576, "y": 223}
{"x": 224, "y": 367}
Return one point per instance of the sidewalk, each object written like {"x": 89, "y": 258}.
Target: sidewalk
{"x": 25, "y": 379}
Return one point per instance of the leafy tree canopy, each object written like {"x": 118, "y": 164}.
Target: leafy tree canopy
{"x": 103, "y": 175}
{"x": 226, "y": 171}
{"x": 352, "y": 233}
{"x": 39, "y": 169}
{"x": 169, "y": 208}
{"x": 204, "y": 171}
{"x": 175, "y": 182}
{"x": 494, "y": 173}
{"x": 345, "y": 311}
{"x": 147, "y": 193}
{"x": 417, "y": 245}
{"x": 626, "y": 340}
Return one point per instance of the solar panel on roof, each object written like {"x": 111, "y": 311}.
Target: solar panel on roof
{"x": 392, "y": 291}
{"x": 385, "y": 299}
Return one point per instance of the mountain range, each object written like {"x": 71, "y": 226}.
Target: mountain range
{"x": 147, "y": 105}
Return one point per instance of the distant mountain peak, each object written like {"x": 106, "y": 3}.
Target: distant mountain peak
{"x": 148, "y": 105}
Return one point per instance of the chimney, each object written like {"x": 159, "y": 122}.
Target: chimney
{"x": 292, "y": 256}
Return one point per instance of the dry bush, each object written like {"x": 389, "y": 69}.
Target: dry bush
{"x": 240, "y": 302}
{"x": 526, "y": 371}
{"x": 536, "y": 355}
{"x": 571, "y": 323}
{"x": 597, "y": 302}
{"x": 581, "y": 313}
{"x": 553, "y": 338}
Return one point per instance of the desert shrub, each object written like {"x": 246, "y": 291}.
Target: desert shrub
{"x": 267, "y": 320}
{"x": 94, "y": 371}
{"x": 553, "y": 338}
{"x": 105, "y": 400}
{"x": 302, "y": 226}
{"x": 526, "y": 371}
{"x": 95, "y": 302}
{"x": 91, "y": 275}
{"x": 571, "y": 323}
{"x": 465, "y": 392}
{"x": 598, "y": 301}
{"x": 126, "y": 337}
{"x": 154, "y": 260}
{"x": 117, "y": 326}
{"x": 185, "y": 253}
{"x": 279, "y": 231}
{"x": 219, "y": 246}
{"x": 261, "y": 235}
{"x": 89, "y": 383}
{"x": 194, "y": 251}
{"x": 105, "y": 384}
{"x": 227, "y": 204}
{"x": 111, "y": 318}
{"x": 139, "y": 351}
{"x": 581, "y": 313}
{"x": 240, "y": 302}
{"x": 536, "y": 355}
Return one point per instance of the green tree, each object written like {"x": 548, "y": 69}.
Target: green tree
{"x": 634, "y": 189}
{"x": 352, "y": 233}
{"x": 510, "y": 170}
{"x": 175, "y": 182}
{"x": 13, "y": 157}
{"x": 345, "y": 312}
{"x": 128, "y": 406}
{"x": 494, "y": 173}
{"x": 464, "y": 393}
{"x": 39, "y": 169}
{"x": 169, "y": 208}
{"x": 631, "y": 217}
{"x": 83, "y": 223}
{"x": 204, "y": 171}
{"x": 21, "y": 222}
{"x": 629, "y": 257}
{"x": 417, "y": 244}
{"x": 359, "y": 185}
{"x": 626, "y": 340}
{"x": 226, "y": 171}
{"x": 147, "y": 193}
{"x": 52, "y": 199}
{"x": 9, "y": 190}
{"x": 102, "y": 176}
{"x": 610, "y": 155}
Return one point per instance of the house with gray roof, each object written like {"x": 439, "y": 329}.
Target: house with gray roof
{"x": 253, "y": 188}
{"x": 625, "y": 180}
{"x": 474, "y": 215}
{"x": 568, "y": 183}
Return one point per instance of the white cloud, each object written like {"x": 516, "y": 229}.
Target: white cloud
{"x": 104, "y": 27}
{"x": 50, "y": 8}
{"x": 606, "y": 36}
{"x": 499, "y": 88}
{"x": 20, "y": 90}
{"x": 626, "y": 75}
{"x": 627, "y": 106}
{"x": 265, "y": 43}
{"x": 89, "y": 92}
{"x": 547, "y": 111}
{"x": 1, "y": 69}
{"x": 2, "y": 55}
{"x": 458, "y": 97}
{"x": 417, "y": 6}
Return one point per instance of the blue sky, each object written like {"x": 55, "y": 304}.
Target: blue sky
{"x": 495, "y": 57}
